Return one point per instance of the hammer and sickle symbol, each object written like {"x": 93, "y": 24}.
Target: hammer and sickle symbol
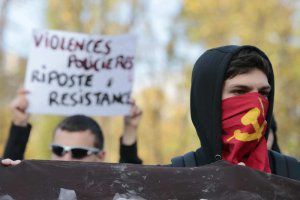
{"x": 250, "y": 118}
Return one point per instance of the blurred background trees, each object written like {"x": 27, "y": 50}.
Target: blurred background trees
{"x": 170, "y": 38}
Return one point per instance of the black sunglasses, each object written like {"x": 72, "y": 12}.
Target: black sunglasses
{"x": 76, "y": 152}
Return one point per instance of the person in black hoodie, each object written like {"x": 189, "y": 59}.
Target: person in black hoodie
{"x": 231, "y": 102}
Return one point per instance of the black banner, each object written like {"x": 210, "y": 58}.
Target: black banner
{"x": 36, "y": 179}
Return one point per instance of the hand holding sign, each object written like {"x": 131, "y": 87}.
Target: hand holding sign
{"x": 131, "y": 123}
{"x": 72, "y": 73}
{"x": 19, "y": 106}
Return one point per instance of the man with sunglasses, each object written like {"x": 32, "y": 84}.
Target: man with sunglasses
{"x": 77, "y": 137}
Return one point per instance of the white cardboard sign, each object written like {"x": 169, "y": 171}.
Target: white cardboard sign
{"x": 74, "y": 73}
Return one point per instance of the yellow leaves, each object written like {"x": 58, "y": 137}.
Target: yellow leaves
{"x": 85, "y": 16}
{"x": 166, "y": 130}
{"x": 192, "y": 7}
{"x": 66, "y": 17}
{"x": 217, "y": 22}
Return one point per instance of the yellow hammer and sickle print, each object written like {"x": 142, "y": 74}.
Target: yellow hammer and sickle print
{"x": 250, "y": 118}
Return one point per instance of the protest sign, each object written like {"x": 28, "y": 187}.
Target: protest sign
{"x": 80, "y": 180}
{"x": 74, "y": 73}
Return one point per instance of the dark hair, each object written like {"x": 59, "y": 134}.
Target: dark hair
{"x": 82, "y": 123}
{"x": 245, "y": 61}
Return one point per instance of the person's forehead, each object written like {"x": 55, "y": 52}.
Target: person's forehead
{"x": 253, "y": 78}
{"x": 77, "y": 138}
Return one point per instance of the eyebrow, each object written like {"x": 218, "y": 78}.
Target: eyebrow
{"x": 245, "y": 87}
{"x": 266, "y": 88}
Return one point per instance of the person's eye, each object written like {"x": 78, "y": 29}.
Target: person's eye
{"x": 238, "y": 92}
{"x": 264, "y": 93}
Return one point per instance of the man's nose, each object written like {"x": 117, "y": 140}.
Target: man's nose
{"x": 67, "y": 156}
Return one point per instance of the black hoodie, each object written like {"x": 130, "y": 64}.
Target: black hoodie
{"x": 206, "y": 100}
{"x": 206, "y": 97}
{"x": 273, "y": 127}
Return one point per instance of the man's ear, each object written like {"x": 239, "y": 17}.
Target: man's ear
{"x": 101, "y": 155}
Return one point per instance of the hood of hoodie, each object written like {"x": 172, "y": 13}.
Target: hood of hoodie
{"x": 206, "y": 97}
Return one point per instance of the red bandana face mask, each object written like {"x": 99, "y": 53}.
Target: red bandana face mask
{"x": 244, "y": 125}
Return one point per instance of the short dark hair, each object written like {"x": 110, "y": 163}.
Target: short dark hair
{"x": 245, "y": 61}
{"x": 76, "y": 123}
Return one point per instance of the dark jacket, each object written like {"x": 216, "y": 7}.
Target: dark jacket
{"x": 205, "y": 103}
{"x": 18, "y": 138}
